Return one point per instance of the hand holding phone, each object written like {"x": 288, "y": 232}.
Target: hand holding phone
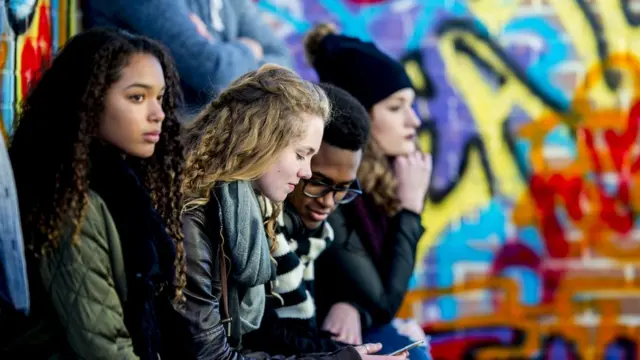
{"x": 408, "y": 347}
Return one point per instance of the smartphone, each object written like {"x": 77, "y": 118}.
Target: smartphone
{"x": 407, "y": 348}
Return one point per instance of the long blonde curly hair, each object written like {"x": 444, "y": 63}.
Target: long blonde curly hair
{"x": 375, "y": 174}
{"x": 241, "y": 133}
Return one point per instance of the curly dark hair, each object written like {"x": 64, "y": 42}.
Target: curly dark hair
{"x": 350, "y": 125}
{"x": 58, "y": 122}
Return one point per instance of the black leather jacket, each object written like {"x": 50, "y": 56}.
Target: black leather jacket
{"x": 345, "y": 272}
{"x": 199, "y": 332}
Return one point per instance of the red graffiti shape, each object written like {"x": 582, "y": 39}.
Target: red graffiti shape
{"x": 36, "y": 53}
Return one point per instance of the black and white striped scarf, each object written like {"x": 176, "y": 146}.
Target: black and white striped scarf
{"x": 295, "y": 270}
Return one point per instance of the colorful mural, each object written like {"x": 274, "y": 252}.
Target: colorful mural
{"x": 32, "y": 32}
{"x": 530, "y": 108}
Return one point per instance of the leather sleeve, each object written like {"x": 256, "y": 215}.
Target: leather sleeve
{"x": 202, "y": 330}
{"x": 345, "y": 272}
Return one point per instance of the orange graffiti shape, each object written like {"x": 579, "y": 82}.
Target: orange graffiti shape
{"x": 607, "y": 151}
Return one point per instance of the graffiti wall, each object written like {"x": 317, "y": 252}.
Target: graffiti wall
{"x": 32, "y": 31}
{"x": 531, "y": 110}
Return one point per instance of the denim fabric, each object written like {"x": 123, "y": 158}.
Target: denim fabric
{"x": 14, "y": 288}
{"x": 392, "y": 340}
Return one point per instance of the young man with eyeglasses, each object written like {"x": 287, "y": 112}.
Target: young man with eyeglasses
{"x": 289, "y": 326}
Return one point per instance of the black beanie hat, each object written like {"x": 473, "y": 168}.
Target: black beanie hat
{"x": 355, "y": 66}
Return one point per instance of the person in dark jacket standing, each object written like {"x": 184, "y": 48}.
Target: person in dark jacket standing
{"x": 290, "y": 324}
{"x": 213, "y": 41}
{"x": 245, "y": 153}
{"x": 373, "y": 254}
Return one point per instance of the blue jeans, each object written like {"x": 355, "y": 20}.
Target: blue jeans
{"x": 392, "y": 340}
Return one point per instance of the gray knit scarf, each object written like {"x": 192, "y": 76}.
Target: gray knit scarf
{"x": 251, "y": 264}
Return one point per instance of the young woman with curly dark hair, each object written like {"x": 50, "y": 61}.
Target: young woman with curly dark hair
{"x": 98, "y": 163}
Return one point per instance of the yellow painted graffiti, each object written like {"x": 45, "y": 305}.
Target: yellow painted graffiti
{"x": 577, "y": 294}
{"x": 596, "y": 107}
{"x": 490, "y": 107}
{"x": 494, "y": 14}
{"x": 467, "y": 196}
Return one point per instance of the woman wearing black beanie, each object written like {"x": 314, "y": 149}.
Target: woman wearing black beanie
{"x": 362, "y": 278}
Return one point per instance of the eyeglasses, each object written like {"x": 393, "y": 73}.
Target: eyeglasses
{"x": 341, "y": 195}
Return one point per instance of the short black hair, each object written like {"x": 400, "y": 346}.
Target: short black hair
{"x": 350, "y": 125}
